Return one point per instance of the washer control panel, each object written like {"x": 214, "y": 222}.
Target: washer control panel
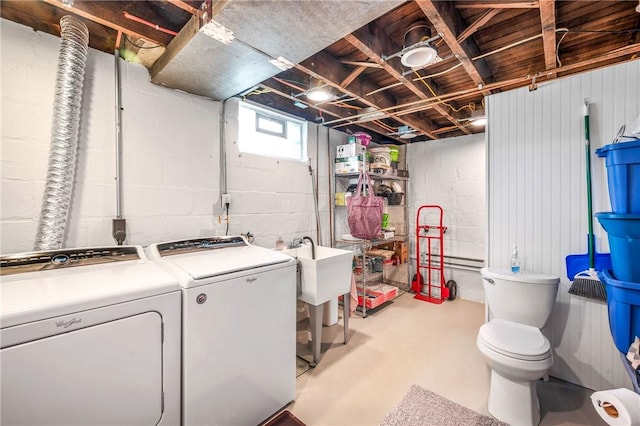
{"x": 65, "y": 258}
{"x": 200, "y": 244}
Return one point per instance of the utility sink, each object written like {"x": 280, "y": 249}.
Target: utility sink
{"x": 326, "y": 277}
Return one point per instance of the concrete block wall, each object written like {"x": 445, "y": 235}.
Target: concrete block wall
{"x": 171, "y": 150}
{"x": 272, "y": 197}
{"x": 451, "y": 173}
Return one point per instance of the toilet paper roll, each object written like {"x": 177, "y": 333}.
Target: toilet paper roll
{"x": 617, "y": 406}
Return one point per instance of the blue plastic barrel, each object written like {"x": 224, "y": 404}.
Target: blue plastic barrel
{"x": 623, "y": 300}
{"x": 624, "y": 243}
{"x": 623, "y": 175}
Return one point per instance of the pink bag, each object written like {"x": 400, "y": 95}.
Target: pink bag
{"x": 365, "y": 212}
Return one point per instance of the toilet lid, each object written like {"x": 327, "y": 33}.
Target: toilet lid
{"x": 515, "y": 340}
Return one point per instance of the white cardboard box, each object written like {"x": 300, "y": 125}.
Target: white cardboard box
{"x": 346, "y": 165}
{"x": 350, "y": 150}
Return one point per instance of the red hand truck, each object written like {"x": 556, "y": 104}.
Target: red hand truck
{"x": 429, "y": 239}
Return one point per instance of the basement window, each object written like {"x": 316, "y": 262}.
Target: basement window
{"x": 269, "y": 133}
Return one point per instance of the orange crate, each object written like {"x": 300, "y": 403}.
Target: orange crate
{"x": 377, "y": 297}
{"x": 372, "y": 300}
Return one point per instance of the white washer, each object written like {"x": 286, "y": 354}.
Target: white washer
{"x": 89, "y": 337}
{"x": 238, "y": 328}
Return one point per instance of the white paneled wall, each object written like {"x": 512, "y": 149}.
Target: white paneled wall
{"x": 170, "y": 149}
{"x": 537, "y": 201}
{"x": 451, "y": 173}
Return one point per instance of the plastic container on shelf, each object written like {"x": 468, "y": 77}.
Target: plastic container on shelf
{"x": 394, "y": 152}
{"x": 381, "y": 157}
{"x": 623, "y": 231}
{"x": 623, "y": 175}
{"x": 362, "y": 138}
{"x": 395, "y": 198}
{"x": 623, "y": 300}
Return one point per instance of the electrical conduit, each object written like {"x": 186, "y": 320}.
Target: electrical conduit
{"x": 64, "y": 134}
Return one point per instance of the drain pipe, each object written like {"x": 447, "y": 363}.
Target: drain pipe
{"x": 119, "y": 224}
{"x": 58, "y": 189}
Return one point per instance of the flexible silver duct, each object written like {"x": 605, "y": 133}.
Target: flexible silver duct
{"x": 56, "y": 201}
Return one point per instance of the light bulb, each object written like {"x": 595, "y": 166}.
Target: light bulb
{"x": 318, "y": 94}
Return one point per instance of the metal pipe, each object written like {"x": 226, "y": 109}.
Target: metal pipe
{"x": 329, "y": 189}
{"x": 223, "y": 150}
{"x": 119, "y": 224}
{"x": 453, "y": 265}
{"x": 118, "y": 112}
{"x": 315, "y": 203}
{"x": 316, "y": 185}
{"x": 148, "y": 24}
{"x": 56, "y": 202}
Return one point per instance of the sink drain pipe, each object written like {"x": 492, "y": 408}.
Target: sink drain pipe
{"x": 56, "y": 200}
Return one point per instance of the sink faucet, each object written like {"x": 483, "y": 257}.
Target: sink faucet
{"x": 295, "y": 243}
{"x": 313, "y": 247}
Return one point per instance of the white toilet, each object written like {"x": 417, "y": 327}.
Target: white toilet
{"x": 515, "y": 348}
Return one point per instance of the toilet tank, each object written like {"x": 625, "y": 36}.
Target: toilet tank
{"x": 523, "y": 298}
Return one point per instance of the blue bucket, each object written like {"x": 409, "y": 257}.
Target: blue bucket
{"x": 623, "y": 300}
{"x": 623, "y": 175}
{"x": 624, "y": 241}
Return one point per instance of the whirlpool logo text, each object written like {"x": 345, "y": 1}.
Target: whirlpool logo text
{"x": 68, "y": 323}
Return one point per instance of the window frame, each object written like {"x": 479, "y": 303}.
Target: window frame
{"x": 265, "y": 113}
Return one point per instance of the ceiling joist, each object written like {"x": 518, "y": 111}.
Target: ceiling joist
{"x": 103, "y": 15}
{"x": 372, "y": 34}
{"x": 548, "y": 20}
{"x": 477, "y": 24}
{"x": 326, "y": 68}
{"x": 446, "y": 19}
{"x": 497, "y": 5}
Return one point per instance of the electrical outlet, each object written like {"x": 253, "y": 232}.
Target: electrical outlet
{"x": 226, "y": 199}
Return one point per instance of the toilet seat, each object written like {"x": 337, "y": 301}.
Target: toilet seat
{"x": 515, "y": 340}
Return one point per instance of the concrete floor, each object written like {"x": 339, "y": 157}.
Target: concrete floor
{"x": 413, "y": 342}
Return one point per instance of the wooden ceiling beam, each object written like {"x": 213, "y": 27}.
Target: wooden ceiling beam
{"x": 631, "y": 51}
{"x": 497, "y": 5}
{"x": 372, "y": 41}
{"x": 103, "y": 14}
{"x": 446, "y": 20}
{"x": 480, "y": 22}
{"x": 354, "y": 74}
{"x": 184, "y": 6}
{"x": 327, "y": 68}
{"x": 548, "y": 21}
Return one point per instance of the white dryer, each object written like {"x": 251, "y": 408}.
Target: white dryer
{"x": 89, "y": 337}
{"x": 238, "y": 328}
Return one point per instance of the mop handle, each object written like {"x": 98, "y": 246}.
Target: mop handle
{"x": 587, "y": 144}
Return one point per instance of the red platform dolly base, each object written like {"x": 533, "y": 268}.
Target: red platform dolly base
{"x": 430, "y": 257}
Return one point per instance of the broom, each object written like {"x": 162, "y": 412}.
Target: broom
{"x": 587, "y": 283}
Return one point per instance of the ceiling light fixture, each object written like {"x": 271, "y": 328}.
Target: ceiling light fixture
{"x": 477, "y": 118}
{"x": 418, "y": 53}
{"x": 408, "y": 135}
{"x": 478, "y": 122}
{"x": 318, "y": 92}
{"x": 404, "y": 132}
{"x": 419, "y": 57}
